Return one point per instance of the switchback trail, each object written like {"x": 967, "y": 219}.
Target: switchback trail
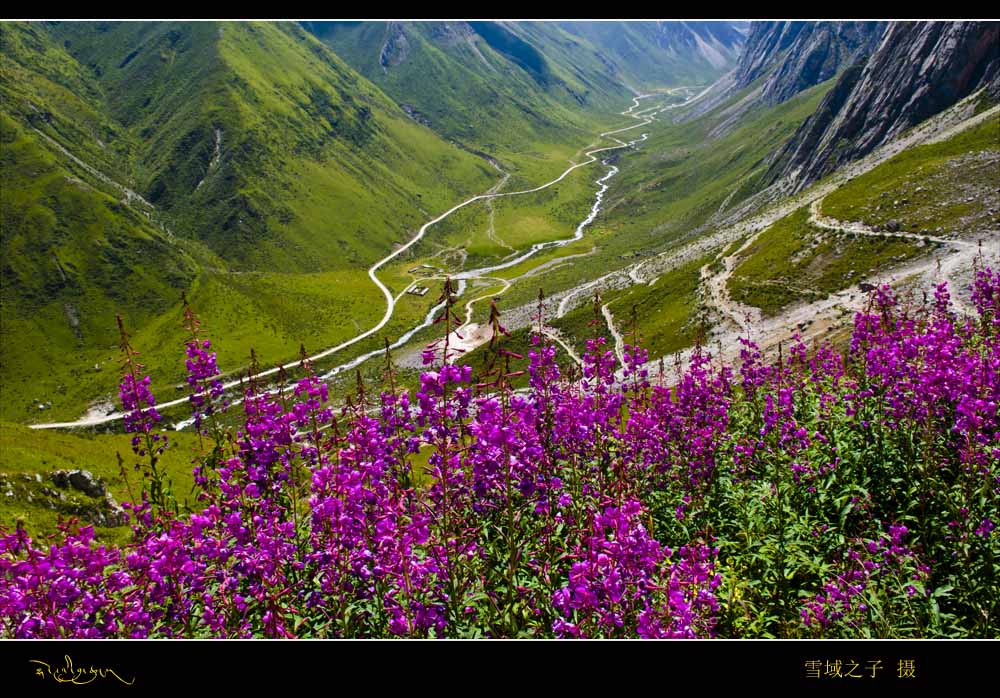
{"x": 953, "y": 261}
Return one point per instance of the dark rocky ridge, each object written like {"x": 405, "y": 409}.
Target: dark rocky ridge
{"x": 794, "y": 56}
{"x": 917, "y": 71}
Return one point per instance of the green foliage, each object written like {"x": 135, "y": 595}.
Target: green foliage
{"x": 782, "y": 536}
{"x": 26, "y": 453}
{"x": 795, "y": 261}
{"x": 665, "y": 311}
{"x": 938, "y": 188}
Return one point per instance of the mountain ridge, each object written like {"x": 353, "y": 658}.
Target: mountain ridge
{"x": 917, "y": 71}
{"x": 792, "y": 56}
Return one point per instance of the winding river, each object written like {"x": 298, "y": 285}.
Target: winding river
{"x": 461, "y": 277}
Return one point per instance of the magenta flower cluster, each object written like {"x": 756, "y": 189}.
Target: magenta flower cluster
{"x": 203, "y": 378}
{"x": 139, "y": 406}
{"x": 818, "y": 493}
{"x": 843, "y": 598}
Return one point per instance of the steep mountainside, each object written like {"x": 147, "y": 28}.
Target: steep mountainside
{"x": 509, "y": 90}
{"x": 519, "y": 90}
{"x": 648, "y": 55}
{"x": 793, "y": 56}
{"x": 224, "y": 160}
{"x": 76, "y": 247}
{"x": 42, "y": 86}
{"x": 919, "y": 70}
{"x": 258, "y": 140}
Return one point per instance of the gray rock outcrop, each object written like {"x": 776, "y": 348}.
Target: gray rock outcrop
{"x": 918, "y": 70}
{"x": 794, "y": 56}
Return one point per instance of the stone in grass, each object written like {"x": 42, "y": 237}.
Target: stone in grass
{"x": 82, "y": 480}
{"x": 108, "y": 512}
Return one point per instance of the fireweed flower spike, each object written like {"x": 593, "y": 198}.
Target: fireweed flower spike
{"x": 141, "y": 417}
{"x": 203, "y": 372}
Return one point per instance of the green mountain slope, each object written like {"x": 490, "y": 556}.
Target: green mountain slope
{"x": 517, "y": 90}
{"x": 116, "y": 198}
{"x": 74, "y": 251}
{"x": 527, "y": 93}
{"x": 259, "y": 141}
{"x": 687, "y": 172}
{"x": 43, "y": 86}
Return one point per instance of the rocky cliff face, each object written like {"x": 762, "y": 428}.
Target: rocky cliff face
{"x": 918, "y": 70}
{"x": 797, "y": 55}
{"x": 718, "y": 43}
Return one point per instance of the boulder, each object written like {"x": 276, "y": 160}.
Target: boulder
{"x": 82, "y": 480}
